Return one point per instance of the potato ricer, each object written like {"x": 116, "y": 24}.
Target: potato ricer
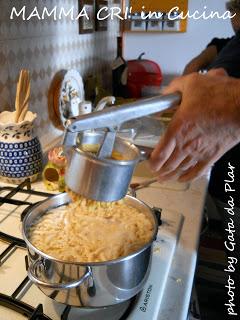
{"x": 100, "y": 165}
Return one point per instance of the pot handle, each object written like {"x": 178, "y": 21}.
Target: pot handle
{"x": 32, "y": 274}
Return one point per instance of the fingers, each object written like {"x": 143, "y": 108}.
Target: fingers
{"x": 218, "y": 72}
{"x": 199, "y": 169}
{"x": 185, "y": 166}
{"x": 188, "y": 163}
{"x": 196, "y": 172}
{"x": 162, "y": 152}
{"x": 167, "y": 155}
{"x": 173, "y": 163}
{"x": 172, "y": 176}
{"x": 175, "y": 85}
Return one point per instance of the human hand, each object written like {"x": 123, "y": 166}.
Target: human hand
{"x": 205, "y": 126}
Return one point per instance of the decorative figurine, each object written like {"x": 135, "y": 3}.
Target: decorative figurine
{"x": 53, "y": 173}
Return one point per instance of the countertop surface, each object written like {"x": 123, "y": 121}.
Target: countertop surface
{"x": 190, "y": 203}
{"x": 189, "y": 200}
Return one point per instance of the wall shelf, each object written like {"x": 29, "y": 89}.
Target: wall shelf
{"x": 153, "y": 31}
{"x": 156, "y": 6}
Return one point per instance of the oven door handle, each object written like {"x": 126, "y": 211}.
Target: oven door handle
{"x": 32, "y": 274}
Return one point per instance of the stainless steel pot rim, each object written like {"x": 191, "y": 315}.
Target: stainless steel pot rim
{"x": 110, "y": 262}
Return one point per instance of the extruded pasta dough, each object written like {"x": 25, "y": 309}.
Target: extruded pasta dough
{"x": 91, "y": 231}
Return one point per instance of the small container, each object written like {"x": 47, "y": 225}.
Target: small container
{"x": 85, "y": 107}
{"x": 137, "y": 23}
{"x": 172, "y": 24}
{"x": 20, "y": 149}
{"x": 156, "y": 24}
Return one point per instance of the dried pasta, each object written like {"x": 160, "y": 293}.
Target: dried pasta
{"x": 91, "y": 231}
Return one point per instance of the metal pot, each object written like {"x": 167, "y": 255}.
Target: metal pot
{"x": 97, "y": 284}
{"x": 101, "y": 179}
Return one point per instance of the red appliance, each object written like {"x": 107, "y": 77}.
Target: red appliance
{"x": 142, "y": 73}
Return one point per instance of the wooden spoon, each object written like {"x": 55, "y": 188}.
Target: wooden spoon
{"x": 22, "y": 96}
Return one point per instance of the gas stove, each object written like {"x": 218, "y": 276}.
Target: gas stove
{"x": 20, "y": 299}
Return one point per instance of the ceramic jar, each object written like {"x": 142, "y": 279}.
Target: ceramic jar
{"x": 20, "y": 149}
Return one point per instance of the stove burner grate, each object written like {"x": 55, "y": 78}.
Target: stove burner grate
{"x": 7, "y": 199}
{"x": 12, "y": 302}
{"x": 12, "y": 240}
{"x": 23, "y": 308}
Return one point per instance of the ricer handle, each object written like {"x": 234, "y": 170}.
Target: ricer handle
{"x": 114, "y": 116}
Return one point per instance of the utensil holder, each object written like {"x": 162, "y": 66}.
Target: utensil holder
{"x": 20, "y": 149}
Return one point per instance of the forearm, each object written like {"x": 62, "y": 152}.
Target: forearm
{"x": 195, "y": 65}
{"x": 202, "y": 61}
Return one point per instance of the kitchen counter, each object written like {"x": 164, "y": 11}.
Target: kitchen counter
{"x": 190, "y": 204}
{"x": 189, "y": 201}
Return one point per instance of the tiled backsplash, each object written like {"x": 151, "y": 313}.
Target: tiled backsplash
{"x": 45, "y": 47}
